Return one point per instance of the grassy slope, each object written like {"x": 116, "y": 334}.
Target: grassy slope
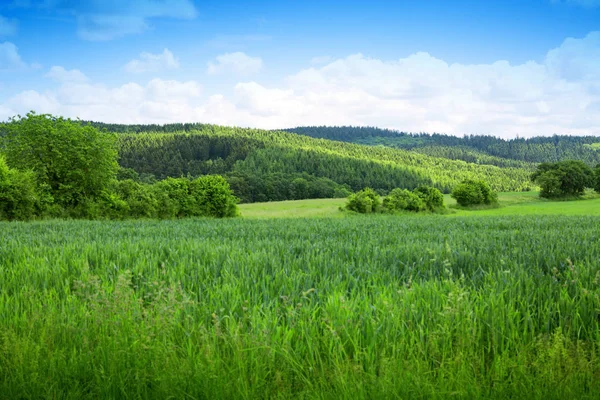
{"x": 514, "y": 203}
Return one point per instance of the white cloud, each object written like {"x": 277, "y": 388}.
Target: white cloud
{"x": 60, "y": 74}
{"x": 235, "y": 63}
{"x": 10, "y": 58}
{"x": 419, "y": 93}
{"x": 158, "y": 101}
{"x": 149, "y": 62}
{"x": 7, "y": 26}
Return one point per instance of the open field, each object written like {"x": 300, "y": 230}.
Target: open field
{"x": 355, "y": 307}
{"x": 511, "y": 203}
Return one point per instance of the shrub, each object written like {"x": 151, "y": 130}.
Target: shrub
{"x": 140, "y": 198}
{"x": 212, "y": 196}
{"x": 472, "y": 192}
{"x": 433, "y": 198}
{"x": 366, "y": 201}
{"x": 207, "y": 196}
{"x": 403, "y": 199}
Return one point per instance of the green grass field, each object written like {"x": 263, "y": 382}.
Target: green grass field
{"x": 331, "y": 308}
{"x": 513, "y": 203}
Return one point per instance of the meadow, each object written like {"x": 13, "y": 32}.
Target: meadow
{"x": 510, "y": 203}
{"x": 434, "y": 306}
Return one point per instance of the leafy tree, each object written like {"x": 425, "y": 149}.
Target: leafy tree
{"x": 431, "y": 196}
{"x": 366, "y": 201}
{"x": 72, "y": 161}
{"x": 563, "y": 178}
{"x": 471, "y": 192}
{"x": 18, "y": 196}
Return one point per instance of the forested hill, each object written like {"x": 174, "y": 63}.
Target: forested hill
{"x": 263, "y": 165}
{"x": 474, "y": 148}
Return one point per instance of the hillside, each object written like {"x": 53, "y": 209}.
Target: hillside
{"x": 265, "y": 166}
{"x": 474, "y": 148}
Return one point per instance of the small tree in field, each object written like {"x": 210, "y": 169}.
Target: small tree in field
{"x": 471, "y": 192}
{"x": 563, "y": 178}
{"x": 433, "y": 198}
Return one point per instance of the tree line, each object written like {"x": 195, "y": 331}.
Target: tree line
{"x": 532, "y": 150}
{"x": 264, "y": 166}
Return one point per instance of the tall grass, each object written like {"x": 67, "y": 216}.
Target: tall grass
{"x": 377, "y": 307}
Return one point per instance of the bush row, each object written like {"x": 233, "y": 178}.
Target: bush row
{"x": 423, "y": 198}
{"x": 21, "y": 198}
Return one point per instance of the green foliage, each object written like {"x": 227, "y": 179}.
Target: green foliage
{"x": 362, "y": 308}
{"x": 141, "y": 199}
{"x": 403, "y": 199}
{"x": 365, "y": 201}
{"x": 261, "y": 165}
{"x": 127, "y": 173}
{"x": 470, "y": 192}
{"x": 563, "y": 178}
{"x": 207, "y": 196}
{"x": 433, "y": 198}
{"x": 75, "y": 163}
{"x": 18, "y": 193}
{"x": 479, "y": 149}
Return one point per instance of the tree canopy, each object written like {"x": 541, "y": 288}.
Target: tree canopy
{"x": 563, "y": 178}
{"x": 74, "y": 163}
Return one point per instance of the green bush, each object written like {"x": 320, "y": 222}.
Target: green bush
{"x": 140, "y": 198}
{"x": 19, "y": 199}
{"x": 212, "y": 196}
{"x": 366, "y": 201}
{"x": 403, "y": 199}
{"x": 433, "y": 198}
{"x": 470, "y": 192}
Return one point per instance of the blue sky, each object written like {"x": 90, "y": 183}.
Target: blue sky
{"x": 526, "y": 67}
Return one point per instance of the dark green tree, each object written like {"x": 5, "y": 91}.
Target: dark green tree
{"x": 563, "y": 178}
{"x": 432, "y": 197}
{"x": 471, "y": 192}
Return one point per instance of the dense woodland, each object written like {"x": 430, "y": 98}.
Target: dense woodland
{"x": 265, "y": 166}
{"x": 472, "y": 148}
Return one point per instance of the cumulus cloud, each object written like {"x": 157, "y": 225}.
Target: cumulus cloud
{"x": 7, "y": 26}
{"x": 235, "y": 63}
{"x": 60, "y": 74}
{"x": 149, "y": 62}
{"x": 10, "y": 58}
{"x": 419, "y": 93}
{"x": 110, "y": 19}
